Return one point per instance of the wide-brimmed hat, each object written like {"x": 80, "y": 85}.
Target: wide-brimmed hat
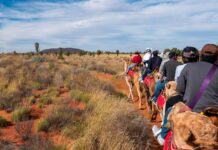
{"x": 210, "y": 49}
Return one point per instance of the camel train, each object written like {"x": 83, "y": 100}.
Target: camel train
{"x": 184, "y": 125}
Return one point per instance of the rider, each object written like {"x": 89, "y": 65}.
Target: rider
{"x": 136, "y": 60}
{"x": 155, "y": 61}
{"x": 146, "y": 59}
{"x": 191, "y": 77}
{"x": 153, "y": 64}
{"x": 189, "y": 54}
{"x": 167, "y": 74}
{"x": 147, "y": 56}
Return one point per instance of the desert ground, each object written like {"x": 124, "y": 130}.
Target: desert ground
{"x": 77, "y": 102}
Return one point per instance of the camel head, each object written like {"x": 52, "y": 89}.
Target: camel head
{"x": 170, "y": 89}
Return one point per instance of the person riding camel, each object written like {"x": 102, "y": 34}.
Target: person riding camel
{"x": 147, "y": 57}
{"x": 198, "y": 82}
{"x": 153, "y": 64}
{"x": 167, "y": 74}
{"x": 189, "y": 55}
{"x": 136, "y": 60}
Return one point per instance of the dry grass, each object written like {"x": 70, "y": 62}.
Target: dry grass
{"x": 113, "y": 125}
{"x": 108, "y": 121}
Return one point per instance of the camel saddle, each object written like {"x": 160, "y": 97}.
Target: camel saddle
{"x": 211, "y": 111}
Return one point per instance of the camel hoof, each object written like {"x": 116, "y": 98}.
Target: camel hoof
{"x": 136, "y": 100}
{"x": 141, "y": 108}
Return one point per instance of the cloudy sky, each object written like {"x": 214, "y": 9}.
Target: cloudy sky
{"x": 107, "y": 24}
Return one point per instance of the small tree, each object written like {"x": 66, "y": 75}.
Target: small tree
{"x": 37, "y": 47}
{"x": 67, "y": 53}
{"x": 60, "y": 56}
{"x": 117, "y": 52}
{"x": 108, "y": 52}
{"x": 130, "y": 54}
{"x": 166, "y": 50}
{"x": 99, "y": 52}
{"x": 15, "y": 53}
{"x": 176, "y": 50}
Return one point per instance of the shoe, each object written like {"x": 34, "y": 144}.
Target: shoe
{"x": 156, "y": 131}
{"x": 160, "y": 140}
{"x": 154, "y": 99}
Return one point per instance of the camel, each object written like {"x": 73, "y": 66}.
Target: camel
{"x": 192, "y": 130}
{"x": 133, "y": 80}
{"x": 149, "y": 89}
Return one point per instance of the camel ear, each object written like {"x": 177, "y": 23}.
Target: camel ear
{"x": 168, "y": 86}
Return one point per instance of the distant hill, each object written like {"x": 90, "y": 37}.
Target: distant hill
{"x": 54, "y": 50}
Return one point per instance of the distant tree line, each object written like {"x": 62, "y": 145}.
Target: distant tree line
{"x": 61, "y": 52}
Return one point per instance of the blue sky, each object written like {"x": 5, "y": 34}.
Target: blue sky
{"x": 126, "y": 25}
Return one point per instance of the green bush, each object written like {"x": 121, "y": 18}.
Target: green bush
{"x": 32, "y": 100}
{"x": 45, "y": 100}
{"x": 59, "y": 147}
{"x": 37, "y": 86}
{"x": 43, "y": 125}
{"x": 38, "y": 59}
{"x": 3, "y": 122}
{"x": 21, "y": 114}
{"x": 80, "y": 96}
{"x": 57, "y": 118}
{"x": 75, "y": 130}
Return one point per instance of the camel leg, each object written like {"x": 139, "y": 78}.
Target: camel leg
{"x": 130, "y": 89}
{"x": 139, "y": 94}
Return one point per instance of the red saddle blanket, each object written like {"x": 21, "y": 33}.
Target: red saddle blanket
{"x": 148, "y": 80}
{"x": 161, "y": 101}
{"x": 168, "y": 144}
{"x": 131, "y": 73}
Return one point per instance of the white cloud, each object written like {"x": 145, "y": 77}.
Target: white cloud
{"x": 109, "y": 24}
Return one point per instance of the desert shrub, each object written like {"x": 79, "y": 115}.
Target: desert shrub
{"x": 3, "y": 122}
{"x": 43, "y": 125}
{"x": 37, "y": 86}
{"x": 6, "y": 145}
{"x": 24, "y": 129}
{"x": 101, "y": 68}
{"x": 45, "y": 100}
{"x": 21, "y": 114}
{"x": 32, "y": 100}
{"x": 80, "y": 96}
{"x": 43, "y": 75}
{"x": 76, "y": 130}
{"x": 114, "y": 125}
{"x": 38, "y": 59}
{"x": 58, "y": 117}
{"x": 38, "y": 142}
{"x": 52, "y": 92}
{"x": 9, "y": 100}
{"x": 58, "y": 79}
{"x": 59, "y": 147}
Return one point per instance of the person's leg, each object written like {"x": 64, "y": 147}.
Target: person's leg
{"x": 159, "y": 87}
{"x": 165, "y": 129}
{"x": 130, "y": 67}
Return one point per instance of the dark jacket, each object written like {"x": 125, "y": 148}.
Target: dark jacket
{"x": 154, "y": 63}
{"x": 169, "y": 69}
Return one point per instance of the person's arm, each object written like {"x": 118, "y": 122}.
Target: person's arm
{"x": 181, "y": 81}
{"x": 149, "y": 64}
{"x": 177, "y": 73}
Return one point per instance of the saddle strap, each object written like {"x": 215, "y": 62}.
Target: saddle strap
{"x": 203, "y": 86}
